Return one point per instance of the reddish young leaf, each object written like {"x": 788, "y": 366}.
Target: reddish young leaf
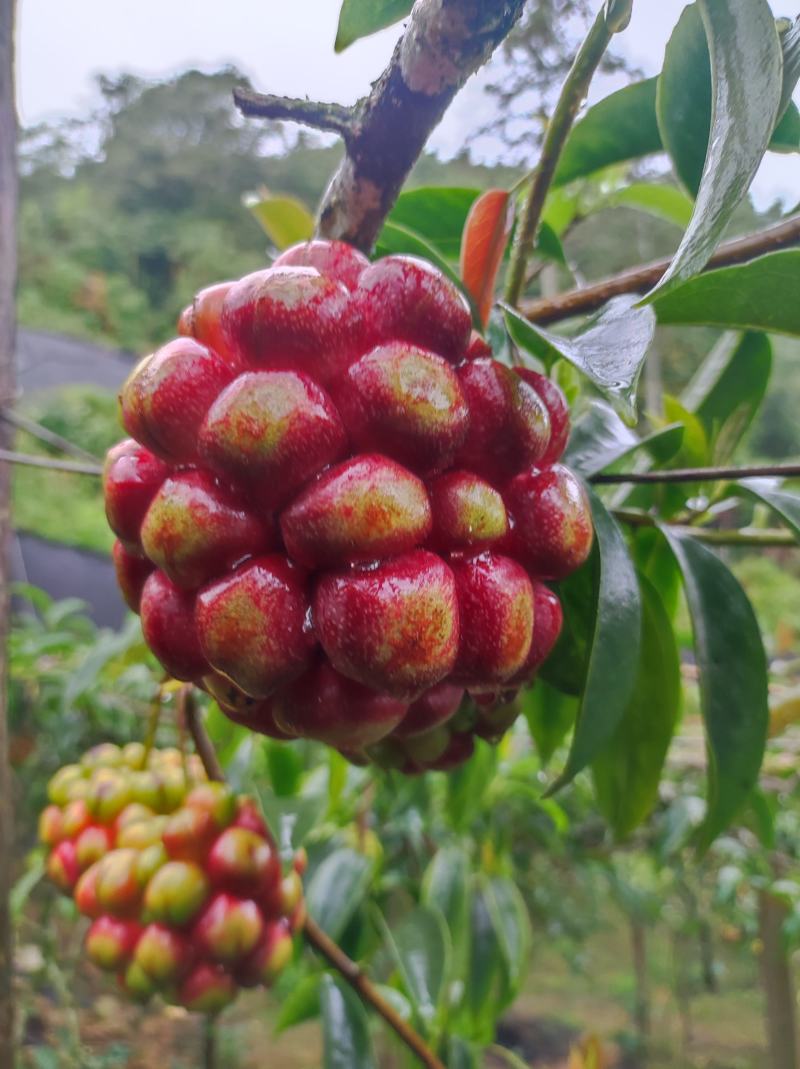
{"x": 486, "y": 234}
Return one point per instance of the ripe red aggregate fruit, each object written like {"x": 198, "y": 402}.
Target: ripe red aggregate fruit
{"x": 180, "y": 877}
{"x": 337, "y": 509}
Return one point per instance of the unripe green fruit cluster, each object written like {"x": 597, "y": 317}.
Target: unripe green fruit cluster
{"x": 180, "y": 877}
{"x": 337, "y": 512}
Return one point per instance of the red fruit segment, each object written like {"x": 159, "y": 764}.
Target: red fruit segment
{"x": 556, "y": 404}
{"x": 270, "y": 957}
{"x": 207, "y": 989}
{"x": 132, "y": 573}
{"x": 188, "y": 834}
{"x": 406, "y": 402}
{"x": 365, "y": 508}
{"x": 271, "y": 431}
{"x": 169, "y": 630}
{"x": 228, "y": 929}
{"x": 548, "y": 618}
{"x": 405, "y": 298}
{"x": 509, "y": 424}
{"x": 201, "y": 319}
{"x": 254, "y": 713}
{"x": 243, "y": 862}
{"x": 62, "y": 866}
{"x": 167, "y": 395}
{"x": 163, "y": 954}
{"x": 478, "y": 346}
{"x": 252, "y": 625}
{"x": 435, "y": 707}
{"x": 393, "y": 627}
{"x": 92, "y": 844}
{"x": 459, "y": 749}
{"x": 467, "y": 511}
{"x": 552, "y": 521}
{"x": 51, "y": 826}
{"x": 176, "y": 893}
{"x": 324, "y": 705}
{"x": 335, "y": 259}
{"x": 118, "y": 890}
{"x": 131, "y": 477}
{"x": 109, "y": 942}
{"x": 86, "y": 892}
{"x": 195, "y": 529}
{"x": 495, "y": 600}
{"x": 290, "y": 318}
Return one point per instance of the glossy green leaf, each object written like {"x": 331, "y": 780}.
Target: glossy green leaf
{"x": 746, "y": 84}
{"x": 463, "y": 1055}
{"x": 783, "y": 503}
{"x": 437, "y": 214}
{"x": 759, "y": 295}
{"x": 486, "y": 984}
{"x": 444, "y": 885}
{"x": 609, "y": 349}
{"x": 790, "y": 46}
{"x": 301, "y": 1004}
{"x": 420, "y": 946}
{"x": 467, "y": 785}
{"x": 627, "y": 771}
{"x": 513, "y": 926}
{"x": 662, "y": 201}
{"x": 345, "y": 1028}
{"x": 600, "y": 438}
{"x": 360, "y": 18}
{"x": 728, "y": 389}
{"x": 550, "y": 714}
{"x": 732, "y": 669}
{"x": 291, "y": 819}
{"x": 787, "y": 133}
{"x": 337, "y": 889}
{"x": 621, "y": 127}
{"x": 285, "y": 220}
{"x": 548, "y": 245}
{"x": 613, "y": 645}
{"x": 285, "y": 767}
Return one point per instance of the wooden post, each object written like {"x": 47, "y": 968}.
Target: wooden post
{"x": 780, "y": 999}
{"x": 8, "y": 276}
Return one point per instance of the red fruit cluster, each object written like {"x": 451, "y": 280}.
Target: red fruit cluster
{"x": 336, "y": 511}
{"x": 180, "y": 877}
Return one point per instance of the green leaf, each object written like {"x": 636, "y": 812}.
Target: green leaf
{"x": 613, "y": 645}
{"x": 513, "y": 926}
{"x": 729, "y": 388}
{"x": 790, "y": 46}
{"x": 785, "y": 505}
{"x": 609, "y": 349}
{"x": 301, "y": 1004}
{"x": 759, "y": 295}
{"x": 566, "y": 667}
{"x": 360, "y": 18}
{"x": 733, "y": 680}
{"x": 345, "y": 1028}
{"x": 21, "y": 890}
{"x": 285, "y": 767}
{"x": 550, "y": 715}
{"x": 291, "y": 819}
{"x": 285, "y": 220}
{"x": 437, "y": 214}
{"x": 444, "y": 885}
{"x": 486, "y": 979}
{"x": 337, "y": 889}
{"x": 787, "y": 133}
{"x": 663, "y": 202}
{"x": 548, "y": 245}
{"x": 462, "y": 1055}
{"x": 746, "y": 68}
{"x": 421, "y": 949}
{"x": 621, "y": 127}
{"x": 628, "y": 770}
{"x": 600, "y": 438}
{"x": 466, "y": 786}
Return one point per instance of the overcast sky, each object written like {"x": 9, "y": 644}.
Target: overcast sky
{"x": 285, "y": 46}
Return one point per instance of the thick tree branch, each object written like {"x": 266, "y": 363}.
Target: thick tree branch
{"x": 350, "y": 970}
{"x": 444, "y": 43}
{"x": 332, "y": 117}
{"x": 640, "y": 279}
{"x": 8, "y": 278}
{"x": 611, "y": 18}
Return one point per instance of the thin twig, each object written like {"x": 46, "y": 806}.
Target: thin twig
{"x": 611, "y": 18}
{"x": 44, "y": 434}
{"x": 640, "y": 279}
{"x": 698, "y": 475}
{"x": 762, "y": 538}
{"x": 321, "y": 116}
{"x": 49, "y": 463}
{"x": 315, "y": 936}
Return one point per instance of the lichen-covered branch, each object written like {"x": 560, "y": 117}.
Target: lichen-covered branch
{"x": 332, "y": 117}
{"x": 444, "y": 43}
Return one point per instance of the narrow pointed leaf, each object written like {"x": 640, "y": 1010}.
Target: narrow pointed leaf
{"x": 444, "y": 885}
{"x": 662, "y": 201}
{"x": 612, "y": 644}
{"x": 609, "y": 349}
{"x": 746, "y": 86}
{"x": 345, "y": 1028}
{"x": 600, "y": 438}
{"x": 628, "y": 771}
{"x": 301, "y": 1004}
{"x": 551, "y": 715}
{"x": 787, "y": 133}
{"x": 421, "y": 950}
{"x": 337, "y": 889}
{"x": 733, "y": 680}
{"x": 513, "y": 926}
{"x": 286, "y": 220}
{"x": 486, "y": 234}
{"x": 784, "y": 504}
{"x": 360, "y": 18}
{"x": 790, "y": 45}
{"x": 759, "y": 295}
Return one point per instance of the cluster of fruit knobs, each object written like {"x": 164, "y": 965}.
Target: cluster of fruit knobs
{"x": 180, "y": 877}
{"x": 339, "y": 515}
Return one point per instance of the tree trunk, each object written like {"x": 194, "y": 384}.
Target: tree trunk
{"x": 778, "y": 984}
{"x": 8, "y": 274}
{"x": 683, "y": 995}
{"x": 641, "y": 1010}
{"x": 706, "y": 938}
